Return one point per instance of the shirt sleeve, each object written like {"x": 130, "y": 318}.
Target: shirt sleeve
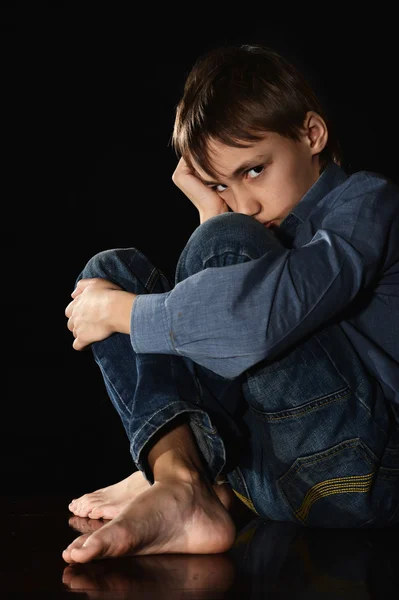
{"x": 229, "y": 318}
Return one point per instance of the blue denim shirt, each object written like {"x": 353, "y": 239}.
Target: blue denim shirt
{"x": 342, "y": 264}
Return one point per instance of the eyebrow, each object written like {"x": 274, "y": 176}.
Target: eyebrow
{"x": 240, "y": 169}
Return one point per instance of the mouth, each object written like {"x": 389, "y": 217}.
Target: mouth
{"x": 269, "y": 224}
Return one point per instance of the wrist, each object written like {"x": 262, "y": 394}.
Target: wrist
{"x": 120, "y": 309}
{"x": 205, "y": 215}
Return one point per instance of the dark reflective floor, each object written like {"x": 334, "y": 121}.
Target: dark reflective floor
{"x": 268, "y": 560}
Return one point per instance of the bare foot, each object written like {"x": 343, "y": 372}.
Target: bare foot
{"x": 172, "y": 516}
{"x": 108, "y": 502}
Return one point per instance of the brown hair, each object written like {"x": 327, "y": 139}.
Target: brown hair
{"x": 234, "y": 94}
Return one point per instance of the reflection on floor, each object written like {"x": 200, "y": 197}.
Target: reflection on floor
{"x": 268, "y": 560}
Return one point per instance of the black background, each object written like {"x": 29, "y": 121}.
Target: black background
{"x": 88, "y": 108}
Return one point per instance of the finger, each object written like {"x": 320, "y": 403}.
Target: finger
{"x": 68, "y": 310}
{"x": 100, "y": 282}
{"x": 76, "y": 292}
{"x": 78, "y": 345}
{"x": 84, "y": 283}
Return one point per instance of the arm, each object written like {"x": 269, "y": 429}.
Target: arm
{"x": 205, "y": 199}
{"x": 262, "y": 307}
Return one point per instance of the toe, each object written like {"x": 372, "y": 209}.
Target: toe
{"x": 96, "y": 512}
{"x": 86, "y": 553}
{"x": 107, "y": 541}
{"x": 84, "y": 505}
{"x": 104, "y": 511}
{"x": 77, "y": 543}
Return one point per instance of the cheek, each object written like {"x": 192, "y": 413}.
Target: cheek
{"x": 284, "y": 193}
{"x": 295, "y": 178}
{"x": 228, "y": 198}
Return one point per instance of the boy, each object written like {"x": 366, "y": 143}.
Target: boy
{"x": 275, "y": 376}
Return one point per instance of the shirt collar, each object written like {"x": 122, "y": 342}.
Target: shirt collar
{"x": 332, "y": 176}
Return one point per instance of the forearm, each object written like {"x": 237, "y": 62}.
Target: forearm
{"x": 228, "y": 319}
{"x": 291, "y": 298}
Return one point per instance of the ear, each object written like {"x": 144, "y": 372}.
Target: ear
{"x": 315, "y": 132}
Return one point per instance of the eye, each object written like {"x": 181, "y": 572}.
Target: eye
{"x": 256, "y": 171}
{"x": 216, "y": 188}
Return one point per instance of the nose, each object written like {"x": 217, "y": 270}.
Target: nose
{"x": 246, "y": 202}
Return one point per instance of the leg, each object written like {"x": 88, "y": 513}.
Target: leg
{"x": 148, "y": 392}
{"x": 255, "y": 477}
{"x": 115, "y": 360}
{"x": 179, "y": 513}
{"x": 324, "y": 446}
{"x": 323, "y": 442}
{"x": 137, "y": 384}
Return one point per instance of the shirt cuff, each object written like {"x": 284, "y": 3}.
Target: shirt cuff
{"x": 149, "y": 329}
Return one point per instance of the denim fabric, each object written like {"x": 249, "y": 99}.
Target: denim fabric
{"x": 149, "y": 391}
{"x": 338, "y": 260}
{"x": 307, "y": 437}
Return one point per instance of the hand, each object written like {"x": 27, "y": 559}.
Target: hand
{"x": 92, "y": 312}
{"x": 207, "y": 201}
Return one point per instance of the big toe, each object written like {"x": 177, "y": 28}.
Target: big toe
{"x": 83, "y": 549}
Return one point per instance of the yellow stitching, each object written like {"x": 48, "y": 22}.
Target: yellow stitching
{"x": 246, "y": 501}
{"x": 339, "y": 482}
{"x": 335, "y": 489}
{"x": 322, "y": 490}
{"x": 342, "y": 479}
{"x": 303, "y": 513}
{"x": 339, "y": 485}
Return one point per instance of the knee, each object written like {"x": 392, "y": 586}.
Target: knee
{"x": 103, "y": 264}
{"x": 127, "y": 267}
{"x": 223, "y": 240}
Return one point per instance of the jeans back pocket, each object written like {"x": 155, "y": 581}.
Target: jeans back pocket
{"x": 332, "y": 488}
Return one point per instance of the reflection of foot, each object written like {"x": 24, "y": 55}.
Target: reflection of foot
{"x": 86, "y": 525}
{"x": 166, "y": 576}
{"x": 172, "y": 516}
{"x": 108, "y": 502}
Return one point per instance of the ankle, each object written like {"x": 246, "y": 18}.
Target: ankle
{"x": 171, "y": 465}
{"x": 176, "y": 455}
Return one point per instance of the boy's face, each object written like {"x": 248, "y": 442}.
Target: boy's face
{"x": 268, "y": 179}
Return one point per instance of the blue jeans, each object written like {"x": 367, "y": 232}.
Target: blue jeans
{"x": 307, "y": 437}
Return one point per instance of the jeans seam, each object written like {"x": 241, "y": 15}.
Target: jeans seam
{"x": 152, "y": 279}
{"x": 148, "y": 422}
{"x": 326, "y": 454}
{"x": 219, "y": 255}
{"x": 247, "y": 496}
{"x": 113, "y": 386}
{"x": 299, "y": 410}
{"x": 318, "y": 340}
